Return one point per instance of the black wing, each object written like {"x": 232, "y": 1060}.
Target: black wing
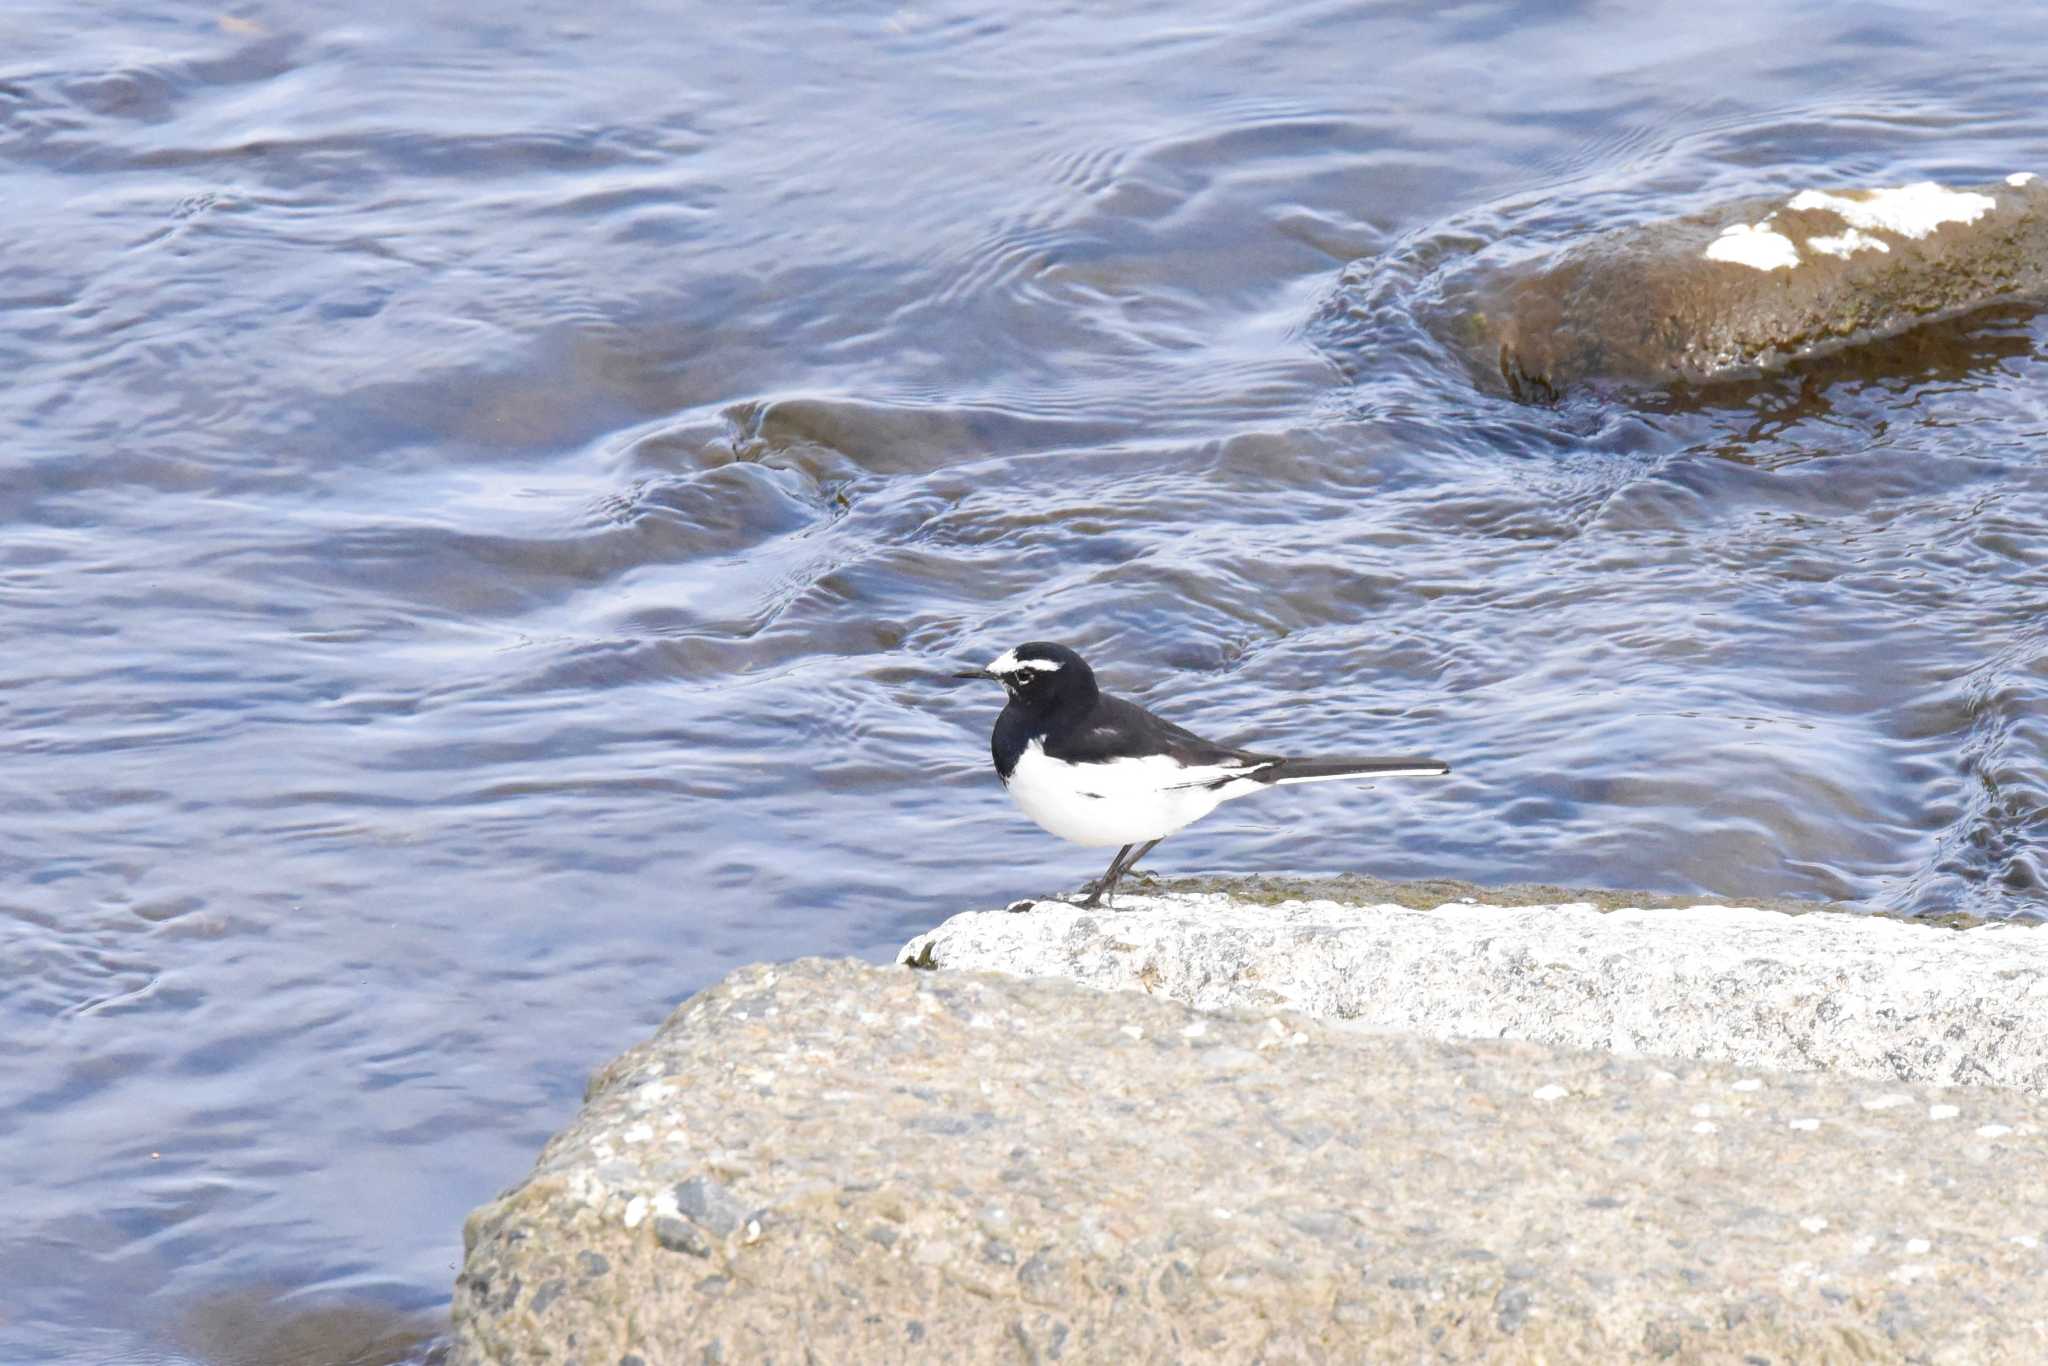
{"x": 1115, "y": 728}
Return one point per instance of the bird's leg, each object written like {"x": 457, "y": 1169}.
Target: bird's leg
{"x": 1123, "y": 866}
{"x": 1107, "y": 881}
{"x": 1125, "y": 860}
{"x": 1131, "y": 863}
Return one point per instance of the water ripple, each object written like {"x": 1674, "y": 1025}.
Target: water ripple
{"x": 491, "y": 495}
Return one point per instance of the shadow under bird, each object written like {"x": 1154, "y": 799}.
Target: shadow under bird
{"x": 1101, "y": 770}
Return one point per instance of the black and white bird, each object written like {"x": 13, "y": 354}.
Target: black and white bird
{"x": 1101, "y": 771}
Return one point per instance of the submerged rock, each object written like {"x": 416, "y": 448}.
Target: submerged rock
{"x": 1749, "y": 287}
{"x": 268, "y": 1324}
{"x": 835, "y": 1162}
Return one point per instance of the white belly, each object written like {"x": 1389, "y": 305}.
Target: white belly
{"x": 1125, "y": 801}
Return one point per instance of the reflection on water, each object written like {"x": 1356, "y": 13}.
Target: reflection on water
{"x": 1968, "y": 354}
{"x": 485, "y": 491}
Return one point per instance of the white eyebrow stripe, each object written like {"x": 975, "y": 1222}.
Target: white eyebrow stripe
{"x": 1007, "y": 662}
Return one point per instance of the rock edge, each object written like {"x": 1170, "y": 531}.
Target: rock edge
{"x": 1860, "y": 995}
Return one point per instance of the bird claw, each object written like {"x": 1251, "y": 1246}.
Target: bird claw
{"x": 1096, "y": 897}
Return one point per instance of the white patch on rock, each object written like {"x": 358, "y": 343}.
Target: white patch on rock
{"x": 1891, "y": 1102}
{"x": 1806, "y": 1125}
{"x": 1813, "y": 1223}
{"x": 2019, "y": 178}
{"x": 1942, "y": 1112}
{"x": 1756, "y": 245}
{"x": 1908, "y": 210}
{"x": 1848, "y": 243}
{"x": 1551, "y": 1092}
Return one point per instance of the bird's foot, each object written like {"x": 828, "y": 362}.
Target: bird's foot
{"x": 1098, "y": 897}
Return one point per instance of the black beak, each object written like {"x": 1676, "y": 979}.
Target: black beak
{"x": 982, "y": 674}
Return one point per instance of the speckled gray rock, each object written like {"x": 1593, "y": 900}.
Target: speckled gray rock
{"x": 1744, "y": 288}
{"x": 826, "y": 1161}
{"x": 1850, "y": 993}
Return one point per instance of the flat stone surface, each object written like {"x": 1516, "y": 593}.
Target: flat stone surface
{"x": 835, "y": 1162}
{"x": 1855, "y": 994}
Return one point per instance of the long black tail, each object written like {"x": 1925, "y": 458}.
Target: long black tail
{"x": 1326, "y": 770}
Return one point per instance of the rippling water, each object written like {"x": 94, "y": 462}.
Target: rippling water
{"x": 486, "y": 488}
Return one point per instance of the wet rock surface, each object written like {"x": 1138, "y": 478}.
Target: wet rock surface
{"x": 264, "y": 1325}
{"x": 1748, "y": 287}
{"x": 837, "y": 1162}
{"x": 1861, "y": 995}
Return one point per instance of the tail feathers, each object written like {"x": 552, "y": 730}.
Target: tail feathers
{"x": 1326, "y": 770}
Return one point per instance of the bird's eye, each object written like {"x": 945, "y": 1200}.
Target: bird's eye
{"x": 1026, "y": 675}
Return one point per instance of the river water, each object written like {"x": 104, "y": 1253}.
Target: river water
{"x": 486, "y": 490}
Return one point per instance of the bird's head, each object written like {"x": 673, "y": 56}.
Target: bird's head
{"x": 1039, "y": 675}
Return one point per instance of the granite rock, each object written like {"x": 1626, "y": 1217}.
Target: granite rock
{"x": 1856, "y": 994}
{"x": 826, "y": 1161}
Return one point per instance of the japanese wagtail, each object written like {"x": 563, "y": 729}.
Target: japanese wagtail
{"x": 1101, "y": 771}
